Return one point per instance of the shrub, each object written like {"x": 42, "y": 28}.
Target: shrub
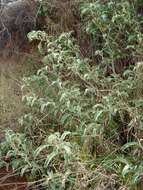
{"x": 116, "y": 30}
{"x": 83, "y": 130}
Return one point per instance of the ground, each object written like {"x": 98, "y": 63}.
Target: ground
{"x": 12, "y": 71}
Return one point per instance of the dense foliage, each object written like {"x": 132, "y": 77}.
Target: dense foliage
{"x": 82, "y": 129}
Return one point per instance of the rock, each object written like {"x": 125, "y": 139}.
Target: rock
{"x": 17, "y": 18}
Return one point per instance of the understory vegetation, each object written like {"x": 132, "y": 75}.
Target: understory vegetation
{"x": 83, "y": 125}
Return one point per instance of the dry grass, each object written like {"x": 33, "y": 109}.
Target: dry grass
{"x": 11, "y": 73}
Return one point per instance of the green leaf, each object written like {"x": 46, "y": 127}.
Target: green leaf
{"x": 24, "y": 170}
{"x": 50, "y": 157}
{"x": 41, "y": 148}
{"x": 66, "y": 133}
{"x": 98, "y": 115}
{"x": 127, "y": 168}
{"x": 130, "y": 144}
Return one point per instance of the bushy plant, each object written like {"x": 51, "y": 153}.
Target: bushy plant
{"x": 116, "y": 29}
{"x": 83, "y": 130}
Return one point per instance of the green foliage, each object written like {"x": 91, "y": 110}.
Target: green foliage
{"x": 41, "y": 161}
{"x": 43, "y": 8}
{"x": 70, "y": 97}
{"x": 83, "y": 130}
{"x": 115, "y": 27}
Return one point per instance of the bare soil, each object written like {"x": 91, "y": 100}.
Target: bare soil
{"x": 9, "y": 181}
